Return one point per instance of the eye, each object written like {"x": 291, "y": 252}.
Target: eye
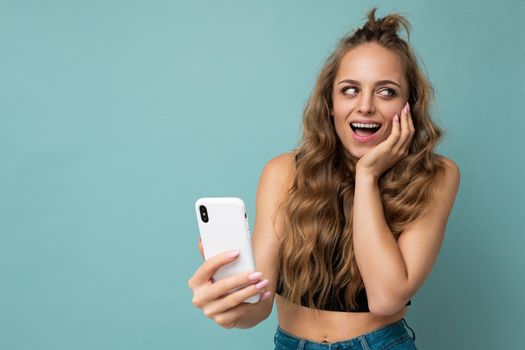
{"x": 343, "y": 90}
{"x": 392, "y": 92}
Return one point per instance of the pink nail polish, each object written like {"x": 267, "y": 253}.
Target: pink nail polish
{"x": 265, "y": 296}
{"x": 233, "y": 254}
{"x": 254, "y": 276}
{"x": 261, "y": 284}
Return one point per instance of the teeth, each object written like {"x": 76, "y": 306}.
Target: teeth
{"x": 367, "y": 125}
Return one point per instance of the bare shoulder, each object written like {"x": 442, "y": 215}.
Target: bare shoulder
{"x": 447, "y": 185}
{"x": 276, "y": 179}
{"x": 281, "y": 167}
{"x": 452, "y": 174}
{"x": 449, "y": 163}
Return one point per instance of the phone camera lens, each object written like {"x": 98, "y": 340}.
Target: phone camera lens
{"x": 204, "y": 213}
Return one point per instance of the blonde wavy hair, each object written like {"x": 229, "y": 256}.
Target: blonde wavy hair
{"x": 317, "y": 213}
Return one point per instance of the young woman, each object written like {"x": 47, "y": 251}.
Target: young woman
{"x": 349, "y": 224}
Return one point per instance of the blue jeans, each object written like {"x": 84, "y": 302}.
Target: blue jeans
{"x": 390, "y": 337}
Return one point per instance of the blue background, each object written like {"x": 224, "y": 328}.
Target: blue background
{"x": 115, "y": 116}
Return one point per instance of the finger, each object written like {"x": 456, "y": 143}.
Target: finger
{"x": 228, "y": 318}
{"x": 394, "y": 133}
{"x": 407, "y": 132}
{"x": 205, "y": 272}
{"x": 265, "y": 295}
{"x": 410, "y": 121}
{"x": 232, "y": 300}
{"x": 399, "y": 147}
{"x": 200, "y": 248}
{"x": 403, "y": 133}
{"x": 411, "y": 129}
{"x": 223, "y": 286}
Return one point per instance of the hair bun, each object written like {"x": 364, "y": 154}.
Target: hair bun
{"x": 389, "y": 24}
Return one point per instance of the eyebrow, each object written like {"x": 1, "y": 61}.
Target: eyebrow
{"x": 379, "y": 82}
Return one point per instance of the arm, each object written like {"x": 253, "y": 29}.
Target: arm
{"x": 393, "y": 271}
{"x": 228, "y": 309}
{"x": 274, "y": 182}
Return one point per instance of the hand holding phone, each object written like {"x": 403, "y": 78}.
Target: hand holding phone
{"x": 225, "y": 287}
{"x": 223, "y": 226}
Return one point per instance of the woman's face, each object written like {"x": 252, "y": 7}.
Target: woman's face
{"x": 360, "y": 94}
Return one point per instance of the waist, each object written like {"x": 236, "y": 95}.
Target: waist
{"x": 330, "y": 326}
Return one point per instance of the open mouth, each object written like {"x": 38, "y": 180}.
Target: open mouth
{"x": 365, "y": 129}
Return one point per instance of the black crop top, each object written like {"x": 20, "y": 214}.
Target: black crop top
{"x": 336, "y": 301}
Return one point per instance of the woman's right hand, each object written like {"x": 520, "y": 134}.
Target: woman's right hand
{"x": 224, "y": 309}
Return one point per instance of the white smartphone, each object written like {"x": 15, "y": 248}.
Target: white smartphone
{"x": 223, "y": 226}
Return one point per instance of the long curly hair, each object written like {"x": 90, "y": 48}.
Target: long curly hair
{"x": 316, "y": 254}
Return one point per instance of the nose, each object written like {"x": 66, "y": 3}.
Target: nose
{"x": 366, "y": 105}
